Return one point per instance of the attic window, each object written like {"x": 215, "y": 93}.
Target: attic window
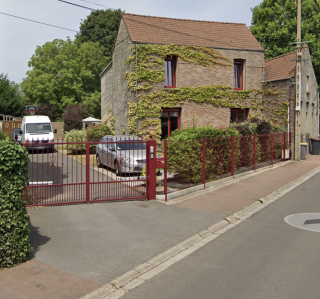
{"x": 238, "y": 74}
{"x": 170, "y": 72}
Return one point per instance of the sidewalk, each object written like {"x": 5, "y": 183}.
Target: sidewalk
{"x": 81, "y": 249}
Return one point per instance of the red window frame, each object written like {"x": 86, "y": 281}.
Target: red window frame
{"x": 237, "y": 112}
{"x": 238, "y": 74}
{"x": 170, "y": 64}
{"x": 169, "y": 120}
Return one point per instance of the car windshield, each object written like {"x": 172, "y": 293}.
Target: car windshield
{"x": 38, "y": 128}
{"x": 126, "y": 146}
{"x": 16, "y": 131}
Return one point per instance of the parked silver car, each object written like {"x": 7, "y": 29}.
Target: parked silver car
{"x": 124, "y": 154}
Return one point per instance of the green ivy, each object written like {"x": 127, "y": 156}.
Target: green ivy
{"x": 15, "y": 245}
{"x": 150, "y": 69}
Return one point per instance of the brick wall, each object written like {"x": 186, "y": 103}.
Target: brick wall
{"x": 7, "y": 127}
{"x": 190, "y": 75}
{"x": 115, "y": 95}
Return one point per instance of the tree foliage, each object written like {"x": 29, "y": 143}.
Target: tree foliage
{"x": 12, "y": 100}
{"x": 64, "y": 73}
{"x": 274, "y": 24}
{"x": 74, "y": 115}
{"x": 100, "y": 26}
{"x": 48, "y": 110}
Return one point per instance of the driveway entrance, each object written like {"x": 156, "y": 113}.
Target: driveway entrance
{"x": 70, "y": 175}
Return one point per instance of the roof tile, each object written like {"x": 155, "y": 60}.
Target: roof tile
{"x": 281, "y": 67}
{"x": 158, "y": 30}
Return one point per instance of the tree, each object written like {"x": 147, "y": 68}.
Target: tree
{"x": 48, "y": 110}
{"x": 65, "y": 73}
{"x": 12, "y": 100}
{"x": 74, "y": 115}
{"x": 100, "y": 26}
{"x": 274, "y": 24}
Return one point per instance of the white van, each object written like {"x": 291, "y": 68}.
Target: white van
{"x": 36, "y": 133}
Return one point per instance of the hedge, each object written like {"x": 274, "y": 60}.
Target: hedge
{"x": 94, "y": 133}
{"x": 185, "y": 154}
{"x": 15, "y": 245}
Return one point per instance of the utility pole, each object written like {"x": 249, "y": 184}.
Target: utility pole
{"x": 297, "y": 138}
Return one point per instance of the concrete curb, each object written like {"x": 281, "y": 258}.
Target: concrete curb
{"x": 142, "y": 273}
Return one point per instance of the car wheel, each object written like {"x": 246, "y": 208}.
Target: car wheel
{"x": 117, "y": 168}
{"x": 98, "y": 161}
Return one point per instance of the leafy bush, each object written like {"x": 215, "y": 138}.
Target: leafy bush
{"x": 96, "y": 132}
{"x": 73, "y": 116}
{"x": 255, "y": 126}
{"x": 15, "y": 245}
{"x": 204, "y": 132}
{"x": 185, "y": 152}
{"x": 3, "y": 136}
{"x": 75, "y": 136}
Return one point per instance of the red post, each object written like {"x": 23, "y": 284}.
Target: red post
{"x": 284, "y": 146}
{"x": 165, "y": 171}
{"x": 204, "y": 162}
{"x": 151, "y": 169}
{"x": 290, "y": 145}
{"x": 232, "y": 154}
{"x": 271, "y": 149}
{"x": 87, "y": 171}
{"x": 254, "y": 152}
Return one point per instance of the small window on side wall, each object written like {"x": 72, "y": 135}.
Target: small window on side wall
{"x": 170, "y": 72}
{"x": 238, "y": 74}
{"x": 170, "y": 121}
{"x": 238, "y": 115}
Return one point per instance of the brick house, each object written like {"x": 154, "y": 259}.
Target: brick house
{"x": 171, "y": 73}
{"x": 280, "y": 72}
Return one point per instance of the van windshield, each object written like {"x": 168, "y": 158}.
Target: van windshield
{"x": 38, "y": 128}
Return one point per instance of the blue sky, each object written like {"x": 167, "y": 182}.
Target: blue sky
{"x": 19, "y": 38}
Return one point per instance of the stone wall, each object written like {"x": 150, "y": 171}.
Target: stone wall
{"x": 309, "y": 118}
{"x": 106, "y": 93}
{"x": 121, "y": 95}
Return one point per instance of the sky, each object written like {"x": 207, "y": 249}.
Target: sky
{"x": 19, "y": 38}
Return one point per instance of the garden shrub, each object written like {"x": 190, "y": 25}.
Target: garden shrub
{"x": 185, "y": 154}
{"x": 96, "y": 132}
{"x": 3, "y": 136}
{"x": 75, "y": 136}
{"x": 15, "y": 245}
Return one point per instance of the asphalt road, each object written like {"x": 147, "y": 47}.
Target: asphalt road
{"x": 263, "y": 257}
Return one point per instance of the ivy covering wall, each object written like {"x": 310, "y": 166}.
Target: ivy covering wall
{"x": 147, "y": 69}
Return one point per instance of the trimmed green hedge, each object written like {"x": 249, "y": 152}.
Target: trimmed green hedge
{"x": 184, "y": 153}
{"x": 15, "y": 245}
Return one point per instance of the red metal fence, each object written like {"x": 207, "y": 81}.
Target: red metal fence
{"x": 70, "y": 173}
{"x": 193, "y": 162}
{"x": 84, "y": 172}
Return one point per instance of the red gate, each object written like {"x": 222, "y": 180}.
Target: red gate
{"x": 82, "y": 172}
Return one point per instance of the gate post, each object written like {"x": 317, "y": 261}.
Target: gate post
{"x": 87, "y": 170}
{"x": 151, "y": 169}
